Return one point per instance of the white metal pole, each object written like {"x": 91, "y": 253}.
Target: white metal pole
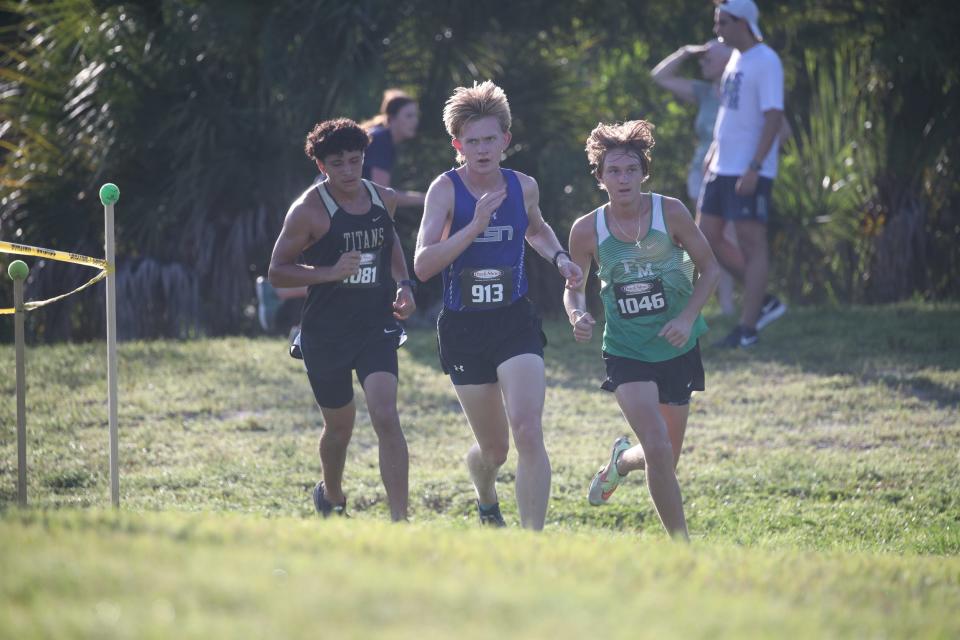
{"x": 109, "y": 194}
{"x": 18, "y": 273}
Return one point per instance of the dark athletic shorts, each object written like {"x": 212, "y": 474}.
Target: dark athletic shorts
{"x": 472, "y": 344}
{"x": 675, "y": 378}
{"x": 719, "y": 198}
{"x": 329, "y": 364}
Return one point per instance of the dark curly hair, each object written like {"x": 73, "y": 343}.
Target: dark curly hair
{"x": 333, "y": 137}
{"x": 634, "y": 136}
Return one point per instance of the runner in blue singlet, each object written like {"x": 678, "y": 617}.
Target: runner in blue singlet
{"x": 476, "y": 224}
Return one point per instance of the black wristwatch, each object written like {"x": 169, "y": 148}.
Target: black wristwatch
{"x": 408, "y": 283}
{"x": 558, "y": 254}
{"x": 756, "y": 166}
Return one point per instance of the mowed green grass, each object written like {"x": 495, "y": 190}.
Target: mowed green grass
{"x": 820, "y": 479}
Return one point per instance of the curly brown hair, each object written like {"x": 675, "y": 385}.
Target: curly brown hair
{"x": 633, "y": 136}
{"x": 333, "y": 137}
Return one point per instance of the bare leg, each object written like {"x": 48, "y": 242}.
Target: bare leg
{"x": 675, "y": 416}
{"x": 381, "y": 391}
{"x": 337, "y": 429}
{"x": 752, "y": 237}
{"x": 725, "y": 289}
{"x": 483, "y": 406}
{"x": 728, "y": 254}
{"x": 523, "y": 383}
{"x": 640, "y": 405}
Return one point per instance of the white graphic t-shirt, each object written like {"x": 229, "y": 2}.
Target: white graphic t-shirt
{"x": 752, "y": 83}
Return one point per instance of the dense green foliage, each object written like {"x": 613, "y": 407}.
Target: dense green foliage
{"x": 198, "y": 110}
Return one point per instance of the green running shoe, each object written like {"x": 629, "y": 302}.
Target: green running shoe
{"x": 606, "y": 481}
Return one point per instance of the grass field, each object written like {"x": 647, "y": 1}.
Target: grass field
{"x": 820, "y": 478}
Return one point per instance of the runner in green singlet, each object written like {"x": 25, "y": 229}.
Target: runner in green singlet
{"x": 643, "y": 244}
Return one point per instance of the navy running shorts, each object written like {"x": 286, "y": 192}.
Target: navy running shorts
{"x": 329, "y": 364}
{"x": 719, "y": 198}
{"x": 472, "y": 344}
{"x": 676, "y": 378}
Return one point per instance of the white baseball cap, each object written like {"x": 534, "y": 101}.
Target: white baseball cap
{"x": 745, "y": 10}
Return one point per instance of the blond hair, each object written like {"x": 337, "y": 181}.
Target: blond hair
{"x": 485, "y": 100}
{"x": 634, "y": 136}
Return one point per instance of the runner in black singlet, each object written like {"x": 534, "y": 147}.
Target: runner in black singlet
{"x": 338, "y": 239}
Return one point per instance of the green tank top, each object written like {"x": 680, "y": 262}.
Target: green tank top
{"x": 644, "y": 285}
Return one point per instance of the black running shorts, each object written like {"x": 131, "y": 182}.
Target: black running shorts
{"x": 472, "y": 344}
{"x": 676, "y": 378}
{"x": 329, "y": 364}
{"x": 719, "y": 198}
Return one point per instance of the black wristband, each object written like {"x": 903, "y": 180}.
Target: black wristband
{"x": 408, "y": 283}
{"x": 756, "y": 166}
{"x": 558, "y": 254}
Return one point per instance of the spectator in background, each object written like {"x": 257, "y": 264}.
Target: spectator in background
{"x": 712, "y": 57}
{"x": 396, "y": 122}
{"x": 739, "y": 185}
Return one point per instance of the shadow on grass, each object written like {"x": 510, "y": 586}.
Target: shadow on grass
{"x": 895, "y": 345}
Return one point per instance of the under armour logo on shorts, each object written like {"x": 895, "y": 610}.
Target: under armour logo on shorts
{"x": 458, "y": 368}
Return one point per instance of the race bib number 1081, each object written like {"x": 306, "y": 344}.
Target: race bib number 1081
{"x": 366, "y": 276}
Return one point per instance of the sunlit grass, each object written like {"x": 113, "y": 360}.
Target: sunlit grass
{"x": 819, "y": 479}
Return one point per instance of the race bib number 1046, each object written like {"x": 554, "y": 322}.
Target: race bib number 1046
{"x": 636, "y": 299}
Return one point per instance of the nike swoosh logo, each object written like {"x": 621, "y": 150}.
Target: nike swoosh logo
{"x": 389, "y": 331}
{"x": 378, "y": 217}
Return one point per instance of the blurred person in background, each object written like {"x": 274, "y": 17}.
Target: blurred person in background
{"x": 743, "y": 165}
{"x": 396, "y": 122}
{"x": 712, "y": 58}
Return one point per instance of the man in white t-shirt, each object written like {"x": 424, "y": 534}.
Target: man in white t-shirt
{"x": 744, "y": 164}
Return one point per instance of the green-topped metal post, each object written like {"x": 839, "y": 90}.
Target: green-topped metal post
{"x": 18, "y": 272}
{"x": 109, "y": 195}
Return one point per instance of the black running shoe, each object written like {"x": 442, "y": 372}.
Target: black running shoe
{"x": 771, "y": 310}
{"x": 324, "y": 506}
{"x": 491, "y": 516}
{"x": 732, "y": 341}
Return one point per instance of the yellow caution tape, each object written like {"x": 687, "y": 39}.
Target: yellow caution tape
{"x": 50, "y": 254}
{"x": 60, "y": 256}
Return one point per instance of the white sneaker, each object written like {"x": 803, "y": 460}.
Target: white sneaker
{"x": 771, "y": 310}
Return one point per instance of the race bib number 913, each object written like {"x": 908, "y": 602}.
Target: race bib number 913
{"x": 636, "y": 299}
{"x": 486, "y": 288}
{"x": 366, "y": 277}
